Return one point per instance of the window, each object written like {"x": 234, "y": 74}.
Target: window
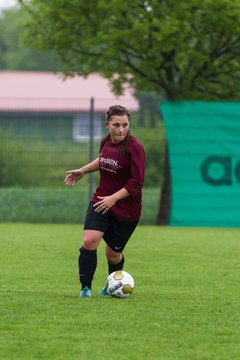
{"x": 81, "y": 127}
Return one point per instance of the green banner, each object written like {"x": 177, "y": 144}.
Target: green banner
{"x": 204, "y": 157}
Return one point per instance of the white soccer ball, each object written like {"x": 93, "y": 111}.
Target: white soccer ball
{"x": 120, "y": 284}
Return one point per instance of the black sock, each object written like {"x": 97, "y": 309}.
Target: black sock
{"x": 87, "y": 263}
{"x": 115, "y": 267}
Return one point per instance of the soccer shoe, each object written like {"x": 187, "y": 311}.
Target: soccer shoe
{"x": 104, "y": 292}
{"x": 85, "y": 292}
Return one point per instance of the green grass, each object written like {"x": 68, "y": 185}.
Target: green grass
{"x": 186, "y": 302}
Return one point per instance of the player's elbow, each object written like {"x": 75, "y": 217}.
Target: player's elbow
{"x": 134, "y": 188}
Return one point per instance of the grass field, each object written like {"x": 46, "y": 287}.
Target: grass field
{"x": 186, "y": 303}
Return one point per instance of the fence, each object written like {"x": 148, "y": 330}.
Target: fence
{"x": 39, "y": 143}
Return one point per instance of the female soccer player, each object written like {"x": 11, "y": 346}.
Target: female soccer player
{"x": 115, "y": 207}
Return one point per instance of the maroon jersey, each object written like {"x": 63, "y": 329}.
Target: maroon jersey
{"x": 119, "y": 171}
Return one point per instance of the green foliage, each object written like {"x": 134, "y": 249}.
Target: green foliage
{"x": 36, "y": 162}
{"x": 43, "y": 205}
{"x": 185, "y": 304}
{"x": 16, "y": 166}
{"x": 179, "y": 49}
{"x": 15, "y": 55}
{"x": 153, "y": 140}
{"x": 60, "y": 205}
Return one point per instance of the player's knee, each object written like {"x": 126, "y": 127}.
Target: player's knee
{"x": 91, "y": 239}
{"x": 90, "y": 243}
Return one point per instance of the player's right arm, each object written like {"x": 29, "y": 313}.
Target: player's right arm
{"x": 76, "y": 174}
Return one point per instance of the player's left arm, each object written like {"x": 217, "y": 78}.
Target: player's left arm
{"x": 138, "y": 164}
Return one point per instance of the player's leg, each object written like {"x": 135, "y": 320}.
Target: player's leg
{"x": 115, "y": 260}
{"x": 94, "y": 227}
{"x": 116, "y": 238}
{"x": 87, "y": 261}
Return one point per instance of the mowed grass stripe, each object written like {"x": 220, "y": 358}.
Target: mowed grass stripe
{"x": 186, "y": 303}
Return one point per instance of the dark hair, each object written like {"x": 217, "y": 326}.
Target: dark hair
{"x": 117, "y": 110}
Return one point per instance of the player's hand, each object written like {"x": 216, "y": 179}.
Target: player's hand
{"x": 73, "y": 176}
{"x": 104, "y": 204}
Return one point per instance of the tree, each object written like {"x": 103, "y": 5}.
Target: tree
{"x": 148, "y": 104}
{"x": 14, "y": 55}
{"x": 177, "y": 49}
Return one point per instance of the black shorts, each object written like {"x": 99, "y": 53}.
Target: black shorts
{"x": 116, "y": 233}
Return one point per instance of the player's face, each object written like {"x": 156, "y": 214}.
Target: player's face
{"x": 118, "y": 127}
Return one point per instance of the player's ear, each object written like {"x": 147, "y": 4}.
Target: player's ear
{"x": 106, "y": 124}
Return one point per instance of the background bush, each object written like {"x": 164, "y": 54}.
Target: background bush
{"x": 32, "y": 173}
{"x": 37, "y": 162}
{"x": 60, "y": 205}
